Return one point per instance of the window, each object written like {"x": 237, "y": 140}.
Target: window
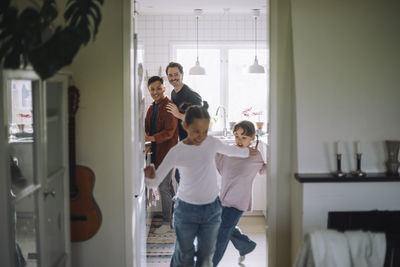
{"x": 227, "y": 82}
{"x": 21, "y": 107}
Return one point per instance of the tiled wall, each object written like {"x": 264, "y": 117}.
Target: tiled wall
{"x": 156, "y": 32}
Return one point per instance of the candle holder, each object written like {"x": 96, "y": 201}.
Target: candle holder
{"x": 392, "y": 164}
{"x": 359, "y": 172}
{"x": 339, "y": 172}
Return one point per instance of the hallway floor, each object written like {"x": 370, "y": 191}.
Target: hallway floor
{"x": 254, "y": 227}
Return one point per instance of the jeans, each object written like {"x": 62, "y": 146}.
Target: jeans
{"x": 166, "y": 193}
{"x": 200, "y": 222}
{"x": 229, "y": 231}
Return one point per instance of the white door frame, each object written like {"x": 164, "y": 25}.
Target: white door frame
{"x": 134, "y": 195}
{"x": 6, "y": 227}
{"x": 127, "y": 129}
{"x": 128, "y": 157}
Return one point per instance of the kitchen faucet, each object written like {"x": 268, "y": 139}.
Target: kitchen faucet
{"x": 224, "y": 131}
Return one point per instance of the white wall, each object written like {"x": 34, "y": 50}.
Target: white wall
{"x": 347, "y": 79}
{"x": 98, "y": 73}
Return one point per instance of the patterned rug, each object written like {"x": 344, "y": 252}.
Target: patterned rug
{"x": 159, "y": 248}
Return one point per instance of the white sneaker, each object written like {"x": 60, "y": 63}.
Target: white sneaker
{"x": 163, "y": 229}
{"x": 241, "y": 259}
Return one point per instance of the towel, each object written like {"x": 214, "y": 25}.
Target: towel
{"x": 329, "y": 248}
{"x": 367, "y": 249}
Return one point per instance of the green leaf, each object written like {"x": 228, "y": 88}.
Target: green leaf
{"x": 27, "y": 38}
{"x": 48, "y": 12}
{"x": 56, "y": 52}
{"x": 78, "y": 13}
{"x": 4, "y": 5}
{"x": 12, "y": 60}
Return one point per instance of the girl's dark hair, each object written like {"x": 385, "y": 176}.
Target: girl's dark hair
{"x": 153, "y": 79}
{"x": 247, "y": 126}
{"x": 193, "y": 112}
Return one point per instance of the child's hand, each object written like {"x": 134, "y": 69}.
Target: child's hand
{"x": 149, "y": 138}
{"x": 150, "y": 171}
{"x": 253, "y": 151}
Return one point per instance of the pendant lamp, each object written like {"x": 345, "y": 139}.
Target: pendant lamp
{"x": 256, "y": 68}
{"x": 197, "y": 69}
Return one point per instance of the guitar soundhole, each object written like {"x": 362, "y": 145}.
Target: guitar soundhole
{"x": 78, "y": 218}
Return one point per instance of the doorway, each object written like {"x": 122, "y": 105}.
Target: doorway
{"x": 155, "y": 52}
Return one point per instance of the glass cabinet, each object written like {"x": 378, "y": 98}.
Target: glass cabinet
{"x": 34, "y": 170}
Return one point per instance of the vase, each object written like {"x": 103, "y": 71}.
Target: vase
{"x": 392, "y": 164}
{"x": 21, "y": 127}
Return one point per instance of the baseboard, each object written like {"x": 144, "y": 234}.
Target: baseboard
{"x": 253, "y": 213}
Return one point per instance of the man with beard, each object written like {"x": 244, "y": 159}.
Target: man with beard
{"x": 181, "y": 94}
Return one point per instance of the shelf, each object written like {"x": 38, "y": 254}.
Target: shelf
{"x": 331, "y": 178}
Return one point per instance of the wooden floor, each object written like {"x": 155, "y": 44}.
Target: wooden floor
{"x": 254, "y": 227}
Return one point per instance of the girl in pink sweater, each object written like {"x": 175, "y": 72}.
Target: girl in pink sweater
{"x": 236, "y": 192}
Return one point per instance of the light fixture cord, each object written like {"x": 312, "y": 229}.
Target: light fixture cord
{"x": 255, "y": 35}
{"x": 197, "y": 36}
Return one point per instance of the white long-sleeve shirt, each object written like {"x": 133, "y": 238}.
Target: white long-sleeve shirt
{"x": 196, "y": 164}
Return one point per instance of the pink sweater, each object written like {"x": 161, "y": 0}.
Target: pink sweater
{"x": 237, "y": 179}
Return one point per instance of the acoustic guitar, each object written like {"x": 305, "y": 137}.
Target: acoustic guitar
{"x": 85, "y": 213}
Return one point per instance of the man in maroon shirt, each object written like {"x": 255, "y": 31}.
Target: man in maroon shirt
{"x": 162, "y": 130}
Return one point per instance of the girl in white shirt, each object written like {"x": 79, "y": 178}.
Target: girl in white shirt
{"x": 197, "y": 208}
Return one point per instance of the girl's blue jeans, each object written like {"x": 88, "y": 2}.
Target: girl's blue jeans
{"x": 229, "y": 231}
{"x": 200, "y": 222}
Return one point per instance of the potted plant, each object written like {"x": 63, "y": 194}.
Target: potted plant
{"x": 259, "y": 122}
{"x": 30, "y": 37}
{"x": 24, "y": 121}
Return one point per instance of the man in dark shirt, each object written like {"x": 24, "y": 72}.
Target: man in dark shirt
{"x": 181, "y": 94}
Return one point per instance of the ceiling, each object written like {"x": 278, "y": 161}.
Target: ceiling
{"x": 172, "y": 7}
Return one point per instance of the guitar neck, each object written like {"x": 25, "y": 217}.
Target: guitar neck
{"x": 72, "y": 159}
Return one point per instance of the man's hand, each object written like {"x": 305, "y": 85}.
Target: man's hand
{"x": 173, "y": 109}
{"x": 150, "y": 171}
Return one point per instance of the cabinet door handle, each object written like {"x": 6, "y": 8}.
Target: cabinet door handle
{"x": 49, "y": 192}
